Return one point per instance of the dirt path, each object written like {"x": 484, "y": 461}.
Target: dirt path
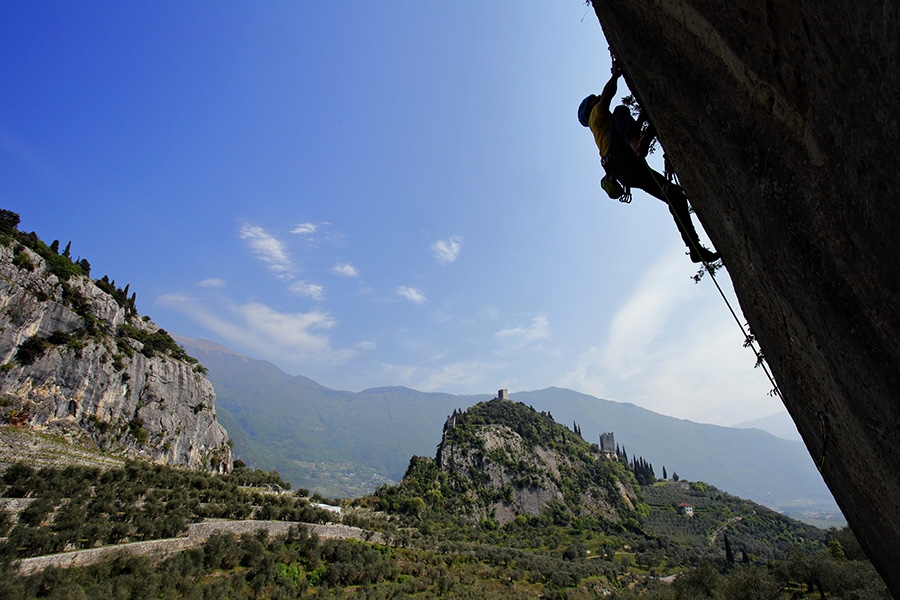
{"x": 717, "y": 532}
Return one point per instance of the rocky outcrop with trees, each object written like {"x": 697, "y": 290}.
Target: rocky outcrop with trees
{"x": 77, "y": 359}
{"x": 500, "y": 460}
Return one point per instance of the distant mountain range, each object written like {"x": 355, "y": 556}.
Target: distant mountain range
{"x": 779, "y": 425}
{"x": 342, "y": 443}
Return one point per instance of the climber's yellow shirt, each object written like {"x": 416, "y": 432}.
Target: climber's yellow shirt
{"x": 600, "y": 122}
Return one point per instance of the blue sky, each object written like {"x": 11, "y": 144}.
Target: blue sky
{"x": 367, "y": 194}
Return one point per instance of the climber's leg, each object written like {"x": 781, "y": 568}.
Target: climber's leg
{"x": 638, "y": 174}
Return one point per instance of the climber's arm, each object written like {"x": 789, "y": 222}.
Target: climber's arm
{"x": 609, "y": 90}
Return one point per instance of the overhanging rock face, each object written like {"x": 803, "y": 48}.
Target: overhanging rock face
{"x": 781, "y": 118}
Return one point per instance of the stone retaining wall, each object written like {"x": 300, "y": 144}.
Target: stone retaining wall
{"x": 15, "y": 505}
{"x": 197, "y": 535}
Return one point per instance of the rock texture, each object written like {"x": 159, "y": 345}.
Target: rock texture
{"x": 781, "y": 119}
{"x": 73, "y": 363}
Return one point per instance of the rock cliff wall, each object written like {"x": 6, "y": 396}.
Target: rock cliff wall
{"x": 781, "y": 119}
{"x": 76, "y": 360}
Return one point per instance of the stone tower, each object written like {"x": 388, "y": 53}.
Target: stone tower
{"x": 607, "y": 443}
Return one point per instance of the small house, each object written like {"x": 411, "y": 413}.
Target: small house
{"x": 686, "y": 509}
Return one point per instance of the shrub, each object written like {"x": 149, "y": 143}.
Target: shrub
{"x": 63, "y": 267}
{"x": 136, "y": 428}
{"x": 21, "y": 261}
{"x": 9, "y": 221}
{"x": 31, "y": 349}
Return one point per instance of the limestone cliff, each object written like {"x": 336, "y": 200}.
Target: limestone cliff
{"x": 781, "y": 118}
{"x": 77, "y": 360}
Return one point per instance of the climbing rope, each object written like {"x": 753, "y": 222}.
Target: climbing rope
{"x": 749, "y": 340}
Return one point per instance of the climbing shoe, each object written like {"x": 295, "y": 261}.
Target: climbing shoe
{"x": 703, "y": 255}
{"x": 612, "y": 187}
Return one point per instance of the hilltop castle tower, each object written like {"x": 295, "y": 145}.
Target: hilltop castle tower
{"x": 607, "y": 444}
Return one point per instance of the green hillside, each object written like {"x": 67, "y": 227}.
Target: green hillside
{"x": 442, "y": 491}
{"x": 725, "y": 547}
{"x": 436, "y": 545}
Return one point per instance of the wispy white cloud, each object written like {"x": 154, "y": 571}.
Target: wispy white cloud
{"x": 644, "y": 315}
{"x": 446, "y": 250}
{"x": 633, "y": 332}
{"x": 310, "y": 290}
{"x": 366, "y": 345}
{"x": 175, "y": 300}
{"x": 411, "y": 294}
{"x": 262, "y": 331}
{"x": 268, "y": 249}
{"x": 518, "y": 337}
{"x": 707, "y": 375}
{"x": 212, "y": 282}
{"x": 675, "y": 353}
{"x": 345, "y": 270}
{"x": 473, "y": 374}
{"x": 291, "y": 330}
{"x": 304, "y": 228}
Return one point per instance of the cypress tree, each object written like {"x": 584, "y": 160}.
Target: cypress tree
{"x": 9, "y": 221}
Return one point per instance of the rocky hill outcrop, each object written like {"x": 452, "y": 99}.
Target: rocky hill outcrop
{"x": 499, "y": 460}
{"x": 77, "y": 359}
{"x": 781, "y": 119}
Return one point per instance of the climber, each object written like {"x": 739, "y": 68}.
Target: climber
{"x": 623, "y": 150}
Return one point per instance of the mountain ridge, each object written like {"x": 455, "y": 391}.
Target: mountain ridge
{"x": 378, "y": 429}
{"x": 778, "y": 424}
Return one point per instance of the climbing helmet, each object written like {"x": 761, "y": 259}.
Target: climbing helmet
{"x": 584, "y": 114}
